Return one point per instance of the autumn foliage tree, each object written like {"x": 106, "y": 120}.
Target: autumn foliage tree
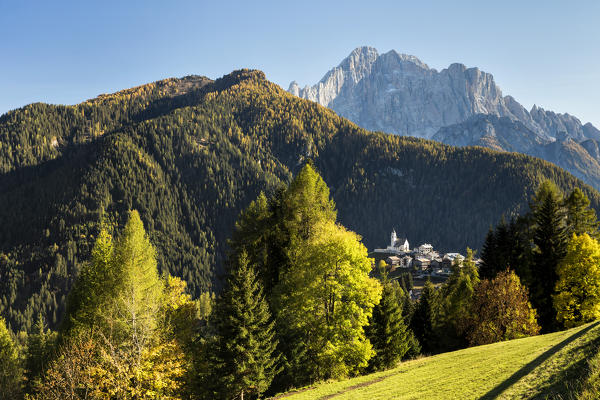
{"x": 117, "y": 341}
{"x": 501, "y": 311}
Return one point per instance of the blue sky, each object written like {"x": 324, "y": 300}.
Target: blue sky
{"x": 542, "y": 52}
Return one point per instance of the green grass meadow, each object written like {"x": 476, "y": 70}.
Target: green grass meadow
{"x": 552, "y": 366}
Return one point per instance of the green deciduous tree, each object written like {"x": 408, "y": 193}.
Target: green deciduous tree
{"x": 577, "y": 298}
{"x": 327, "y": 297}
{"x": 139, "y": 289}
{"x": 315, "y": 275}
{"x": 244, "y": 360}
{"x": 118, "y": 313}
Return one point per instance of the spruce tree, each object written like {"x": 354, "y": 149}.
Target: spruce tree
{"x": 550, "y": 248}
{"x": 387, "y": 331}
{"x": 581, "y": 218}
{"x": 489, "y": 258}
{"x": 244, "y": 361}
{"x": 41, "y": 343}
{"x": 456, "y": 296}
{"x": 423, "y": 320}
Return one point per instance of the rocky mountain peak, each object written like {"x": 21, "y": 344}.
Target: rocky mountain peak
{"x": 398, "y": 93}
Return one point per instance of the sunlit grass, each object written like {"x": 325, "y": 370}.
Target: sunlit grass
{"x": 535, "y": 367}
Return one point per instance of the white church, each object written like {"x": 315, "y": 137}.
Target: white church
{"x": 397, "y": 245}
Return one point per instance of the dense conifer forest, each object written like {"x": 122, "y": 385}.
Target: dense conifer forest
{"x": 190, "y": 154}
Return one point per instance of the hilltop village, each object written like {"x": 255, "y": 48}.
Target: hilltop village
{"x": 421, "y": 261}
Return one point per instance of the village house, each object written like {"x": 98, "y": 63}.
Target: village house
{"x": 450, "y": 258}
{"x": 422, "y": 263}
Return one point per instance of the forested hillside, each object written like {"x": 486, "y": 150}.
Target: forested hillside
{"x": 189, "y": 154}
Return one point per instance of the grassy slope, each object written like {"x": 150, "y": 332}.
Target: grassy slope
{"x": 537, "y": 367}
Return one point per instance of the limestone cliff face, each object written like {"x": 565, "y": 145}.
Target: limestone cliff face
{"x": 398, "y": 93}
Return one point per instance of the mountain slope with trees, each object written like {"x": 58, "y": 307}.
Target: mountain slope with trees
{"x": 189, "y": 154}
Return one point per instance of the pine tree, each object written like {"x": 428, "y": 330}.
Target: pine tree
{"x": 581, "y": 218}
{"x": 11, "y": 373}
{"x": 550, "y": 241}
{"x": 387, "y": 330}
{"x": 244, "y": 350}
{"x": 423, "y": 320}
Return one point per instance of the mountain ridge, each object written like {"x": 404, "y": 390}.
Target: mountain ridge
{"x": 399, "y": 94}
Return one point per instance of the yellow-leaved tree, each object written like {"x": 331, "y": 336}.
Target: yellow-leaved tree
{"x": 121, "y": 337}
{"x": 577, "y": 298}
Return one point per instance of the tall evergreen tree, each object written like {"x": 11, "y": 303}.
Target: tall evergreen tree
{"x": 506, "y": 247}
{"x": 41, "y": 343}
{"x": 550, "y": 248}
{"x": 581, "y": 218}
{"x": 423, "y": 320}
{"x": 11, "y": 372}
{"x": 295, "y": 230}
{"x": 456, "y": 296}
{"x": 244, "y": 361}
{"x": 489, "y": 256}
{"x": 387, "y": 331}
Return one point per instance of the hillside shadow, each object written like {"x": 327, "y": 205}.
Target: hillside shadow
{"x": 529, "y": 367}
{"x": 562, "y": 384}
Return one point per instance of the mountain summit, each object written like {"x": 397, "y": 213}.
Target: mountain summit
{"x": 398, "y": 93}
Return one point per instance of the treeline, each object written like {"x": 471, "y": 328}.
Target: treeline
{"x": 190, "y": 154}
{"x": 539, "y": 273}
{"x": 554, "y": 250}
